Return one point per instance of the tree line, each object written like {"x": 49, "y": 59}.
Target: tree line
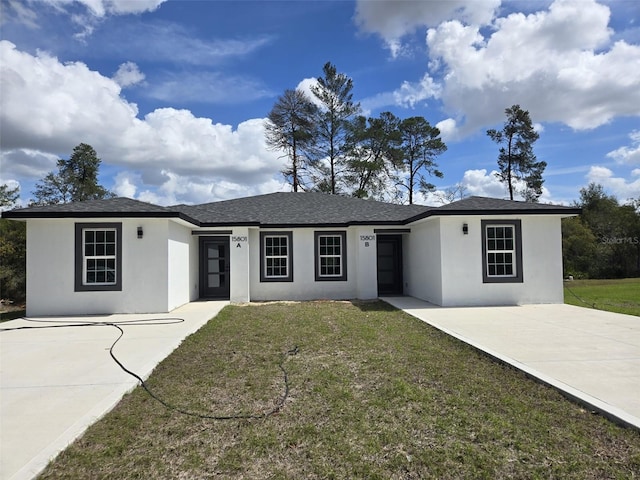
{"x": 330, "y": 147}
{"x": 603, "y": 242}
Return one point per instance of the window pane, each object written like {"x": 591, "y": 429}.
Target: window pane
{"x": 100, "y": 236}
{"x": 213, "y": 280}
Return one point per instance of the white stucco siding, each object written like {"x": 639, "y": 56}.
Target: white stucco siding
{"x": 240, "y": 256}
{"x": 366, "y": 263}
{"x": 179, "y": 265}
{"x": 462, "y": 279}
{"x": 304, "y": 286}
{"x": 422, "y": 259}
{"x": 51, "y": 272}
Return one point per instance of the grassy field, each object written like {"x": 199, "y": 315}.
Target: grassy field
{"x": 373, "y": 393}
{"x": 621, "y": 296}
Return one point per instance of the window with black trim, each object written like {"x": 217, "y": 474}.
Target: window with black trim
{"x": 501, "y": 251}
{"x": 98, "y": 256}
{"x": 331, "y": 256}
{"x": 276, "y": 263}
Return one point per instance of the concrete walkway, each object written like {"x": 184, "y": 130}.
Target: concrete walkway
{"x": 55, "y": 382}
{"x": 590, "y": 355}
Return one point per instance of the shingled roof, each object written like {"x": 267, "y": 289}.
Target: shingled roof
{"x": 118, "y": 207}
{"x": 301, "y": 209}
{"x": 287, "y": 210}
{"x": 496, "y": 205}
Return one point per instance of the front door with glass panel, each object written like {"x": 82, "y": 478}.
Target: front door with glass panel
{"x": 214, "y": 267}
{"x": 389, "y": 252}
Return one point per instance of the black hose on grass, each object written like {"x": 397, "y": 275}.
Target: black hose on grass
{"x": 164, "y": 321}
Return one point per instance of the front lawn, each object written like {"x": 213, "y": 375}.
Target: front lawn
{"x": 620, "y": 295}
{"x": 373, "y": 393}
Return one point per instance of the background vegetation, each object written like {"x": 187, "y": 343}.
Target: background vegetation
{"x": 603, "y": 242}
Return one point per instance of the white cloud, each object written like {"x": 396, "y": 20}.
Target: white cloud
{"x": 125, "y": 184}
{"x": 100, "y": 8}
{"x": 628, "y": 154}
{"x": 618, "y": 186}
{"x": 561, "y": 52}
{"x": 560, "y": 62}
{"x": 128, "y": 74}
{"x": 409, "y": 94}
{"x": 158, "y": 41}
{"x": 95, "y": 11}
{"x": 480, "y": 183}
{"x": 48, "y": 107}
{"x": 207, "y": 87}
{"x": 448, "y": 129}
{"x": 392, "y": 20}
{"x": 21, "y": 13}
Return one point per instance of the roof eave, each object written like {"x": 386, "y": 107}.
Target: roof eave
{"x": 564, "y": 211}
{"x": 49, "y": 215}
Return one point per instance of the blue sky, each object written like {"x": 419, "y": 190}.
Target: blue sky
{"x": 173, "y": 94}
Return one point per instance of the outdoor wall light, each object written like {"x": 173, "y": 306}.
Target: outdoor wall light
{"x": 140, "y": 232}
{"x": 465, "y": 229}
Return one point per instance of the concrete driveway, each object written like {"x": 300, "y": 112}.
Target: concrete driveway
{"x": 55, "y": 382}
{"x": 591, "y": 355}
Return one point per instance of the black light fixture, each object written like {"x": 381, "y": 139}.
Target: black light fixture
{"x": 465, "y": 229}
{"x": 140, "y": 232}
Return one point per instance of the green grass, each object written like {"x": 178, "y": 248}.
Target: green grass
{"x": 621, "y": 296}
{"x": 374, "y": 393}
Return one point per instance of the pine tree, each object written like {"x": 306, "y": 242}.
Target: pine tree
{"x": 516, "y": 160}
{"x": 76, "y": 179}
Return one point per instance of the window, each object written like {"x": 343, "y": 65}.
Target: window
{"x": 331, "y": 256}
{"x": 501, "y": 251}
{"x": 276, "y": 254}
{"x": 98, "y": 259}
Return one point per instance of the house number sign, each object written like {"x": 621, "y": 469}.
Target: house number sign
{"x": 238, "y": 240}
{"x": 367, "y": 238}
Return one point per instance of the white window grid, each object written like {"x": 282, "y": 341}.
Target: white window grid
{"x": 99, "y": 256}
{"x": 501, "y": 251}
{"x": 276, "y": 256}
{"x": 330, "y": 255}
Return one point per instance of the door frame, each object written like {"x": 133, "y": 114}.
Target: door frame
{"x": 202, "y": 266}
{"x": 398, "y": 283}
